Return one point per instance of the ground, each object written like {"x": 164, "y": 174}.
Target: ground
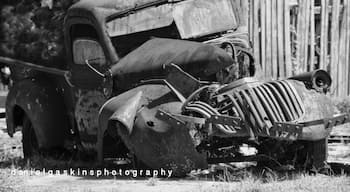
{"x": 16, "y": 175}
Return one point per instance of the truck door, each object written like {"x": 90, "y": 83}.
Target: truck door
{"x": 88, "y": 63}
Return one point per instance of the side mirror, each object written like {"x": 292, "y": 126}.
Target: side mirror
{"x": 87, "y": 62}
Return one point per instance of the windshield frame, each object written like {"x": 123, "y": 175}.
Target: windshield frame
{"x": 193, "y": 18}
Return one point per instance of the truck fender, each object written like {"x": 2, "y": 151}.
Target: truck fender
{"x": 40, "y": 100}
{"x": 157, "y": 143}
{"x": 121, "y": 110}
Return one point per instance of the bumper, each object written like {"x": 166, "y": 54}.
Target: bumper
{"x": 309, "y": 130}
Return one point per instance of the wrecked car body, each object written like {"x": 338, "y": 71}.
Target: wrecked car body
{"x": 165, "y": 83}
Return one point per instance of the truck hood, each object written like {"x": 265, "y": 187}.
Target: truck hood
{"x": 147, "y": 61}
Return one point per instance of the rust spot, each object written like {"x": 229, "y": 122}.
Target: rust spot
{"x": 86, "y": 111}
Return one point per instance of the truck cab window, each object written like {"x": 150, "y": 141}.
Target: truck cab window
{"x": 85, "y": 45}
{"x": 87, "y": 49}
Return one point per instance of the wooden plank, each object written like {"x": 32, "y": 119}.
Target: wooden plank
{"x": 263, "y": 34}
{"x": 335, "y": 46}
{"x": 301, "y": 36}
{"x": 256, "y": 28}
{"x": 345, "y": 63}
{"x": 347, "y": 50}
{"x": 306, "y": 34}
{"x": 251, "y": 20}
{"x": 341, "y": 64}
{"x": 324, "y": 35}
{"x": 280, "y": 39}
{"x": 236, "y": 5}
{"x": 287, "y": 41}
{"x": 245, "y": 18}
{"x": 274, "y": 39}
{"x": 312, "y": 37}
{"x": 268, "y": 39}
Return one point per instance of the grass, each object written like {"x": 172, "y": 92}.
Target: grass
{"x": 318, "y": 183}
{"x": 227, "y": 179}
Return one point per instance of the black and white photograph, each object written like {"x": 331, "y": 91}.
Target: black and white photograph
{"x": 174, "y": 95}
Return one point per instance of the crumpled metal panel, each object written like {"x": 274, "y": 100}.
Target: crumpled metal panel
{"x": 126, "y": 113}
{"x": 155, "y": 142}
{"x": 147, "y": 61}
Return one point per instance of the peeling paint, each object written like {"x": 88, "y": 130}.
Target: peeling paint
{"x": 86, "y": 112}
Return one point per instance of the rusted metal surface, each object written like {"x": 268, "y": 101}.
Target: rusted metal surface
{"x": 155, "y": 142}
{"x": 294, "y": 131}
{"x": 43, "y": 105}
{"x": 86, "y": 114}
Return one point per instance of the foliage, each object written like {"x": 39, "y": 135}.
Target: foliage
{"x": 343, "y": 104}
{"x": 32, "y": 30}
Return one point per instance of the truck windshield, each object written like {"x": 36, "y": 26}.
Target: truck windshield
{"x": 193, "y": 18}
{"x": 203, "y": 17}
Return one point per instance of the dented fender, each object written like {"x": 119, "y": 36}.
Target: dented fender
{"x": 121, "y": 109}
{"x": 155, "y": 142}
{"x": 43, "y": 105}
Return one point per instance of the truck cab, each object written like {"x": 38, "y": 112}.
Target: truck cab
{"x": 104, "y": 33}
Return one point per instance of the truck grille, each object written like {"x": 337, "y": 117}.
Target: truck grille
{"x": 263, "y": 104}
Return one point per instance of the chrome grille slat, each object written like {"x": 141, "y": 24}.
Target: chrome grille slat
{"x": 297, "y": 96}
{"x": 253, "y": 110}
{"x": 260, "y": 108}
{"x": 265, "y": 96}
{"x": 292, "y": 96}
{"x": 238, "y": 108}
{"x": 258, "y": 105}
{"x": 245, "y": 109}
{"x": 272, "y": 115}
{"x": 283, "y": 104}
{"x": 286, "y": 97}
{"x": 275, "y": 103}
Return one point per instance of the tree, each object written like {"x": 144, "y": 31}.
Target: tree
{"x": 32, "y": 30}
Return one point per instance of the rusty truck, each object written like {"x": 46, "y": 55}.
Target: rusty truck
{"x": 169, "y": 84}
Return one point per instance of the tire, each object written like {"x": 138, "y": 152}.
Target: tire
{"x": 307, "y": 155}
{"x": 318, "y": 152}
{"x": 29, "y": 139}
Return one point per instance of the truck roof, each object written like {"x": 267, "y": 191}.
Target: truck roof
{"x": 193, "y": 18}
{"x": 106, "y": 8}
{"x": 112, "y": 4}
